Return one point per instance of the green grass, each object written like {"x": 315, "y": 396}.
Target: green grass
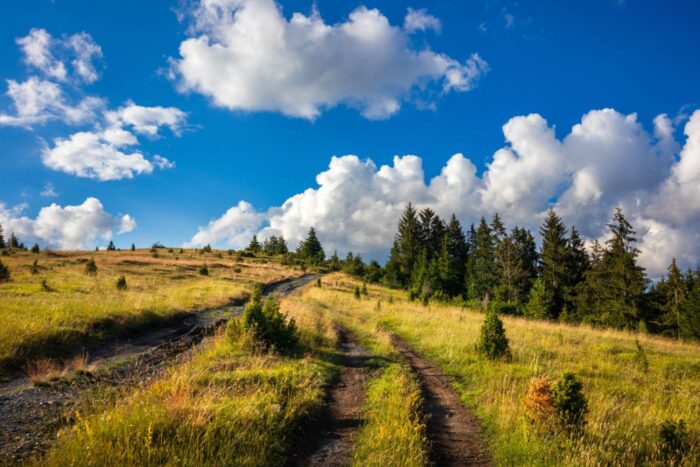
{"x": 226, "y": 406}
{"x": 79, "y": 308}
{"x": 627, "y": 403}
{"x": 392, "y": 433}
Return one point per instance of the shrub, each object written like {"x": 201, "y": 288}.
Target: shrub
{"x": 4, "y": 273}
{"x": 570, "y": 402}
{"x": 45, "y": 286}
{"x": 493, "y": 342}
{"x": 204, "y": 270}
{"x": 206, "y": 249}
{"x": 674, "y": 439}
{"x": 505, "y": 307}
{"x": 357, "y": 292}
{"x": 91, "y": 267}
{"x": 641, "y": 357}
{"x": 182, "y": 250}
{"x": 539, "y": 402}
{"x": 270, "y": 329}
{"x": 318, "y": 282}
{"x": 34, "y": 268}
{"x": 364, "y": 289}
{"x": 35, "y": 248}
{"x": 121, "y": 283}
{"x": 237, "y": 270}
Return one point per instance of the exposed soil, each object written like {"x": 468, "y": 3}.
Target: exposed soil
{"x": 453, "y": 431}
{"x": 333, "y": 438}
{"x": 30, "y": 416}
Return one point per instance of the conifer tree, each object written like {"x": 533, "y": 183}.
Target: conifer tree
{"x": 254, "y": 245}
{"x": 111, "y": 246}
{"x": 392, "y": 268}
{"x": 453, "y": 258}
{"x": 553, "y": 265}
{"x": 527, "y": 260}
{"x": 675, "y": 298}
{"x": 133, "y": 247}
{"x": 311, "y": 249}
{"x": 2, "y": 238}
{"x": 408, "y": 244}
{"x": 540, "y": 302}
{"x": 35, "y": 248}
{"x": 625, "y": 281}
{"x": 482, "y": 277}
{"x": 14, "y": 243}
{"x": 577, "y": 263}
{"x": 4, "y": 273}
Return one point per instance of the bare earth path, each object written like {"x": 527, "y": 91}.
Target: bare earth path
{"x": 453, "y": 431}
{"x": 342, "y": 417}
{"x": 31, "y": 416}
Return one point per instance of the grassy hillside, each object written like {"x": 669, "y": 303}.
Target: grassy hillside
{"x": 628, "y": 399}
{"x": 54, "y": 309}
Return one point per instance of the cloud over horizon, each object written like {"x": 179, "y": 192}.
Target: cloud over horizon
{"x": 245, "y": 55}
{"x": 607, "y": 160}
{"x": 67, "y": 227}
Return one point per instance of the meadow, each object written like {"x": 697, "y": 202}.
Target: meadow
{"x": 54, "y": 308}
{"x": 633, "y": 382}
{"x": 231, "y": 405}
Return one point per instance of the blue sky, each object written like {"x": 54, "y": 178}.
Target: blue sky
{"x": 560, "y": 60}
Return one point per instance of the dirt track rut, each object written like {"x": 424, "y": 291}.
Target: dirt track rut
{"x": 453, "y": 431}
{"x": 31, "y": 416}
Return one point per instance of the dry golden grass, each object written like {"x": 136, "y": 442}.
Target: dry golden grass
{"x": 37, "y": 321}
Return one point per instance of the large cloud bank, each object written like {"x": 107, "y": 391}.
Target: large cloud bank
{"x": 68, "y": 227}
{"x": 608, "y": 159}
{"x": 245, "y": 55}
{"x": 104, "y": 149}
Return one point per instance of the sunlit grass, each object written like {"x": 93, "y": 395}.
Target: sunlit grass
{"x": 627, "y": 403}
{"x": 60, "y": 307}
{"x": 225, "y": 406}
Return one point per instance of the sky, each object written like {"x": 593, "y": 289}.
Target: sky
{"x": 198, "y": 122}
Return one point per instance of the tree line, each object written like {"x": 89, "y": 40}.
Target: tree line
{"x": 492, "y": 267}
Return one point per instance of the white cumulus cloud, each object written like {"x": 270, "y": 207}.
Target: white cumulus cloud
{"x": 606, "y": 160}
{"x": 147, "y": 120}
{"x": 50, "y": 55}
{"x": 245, "y": 55}
{"x": 68, "y": 227}
{"x": 420, "y": 20}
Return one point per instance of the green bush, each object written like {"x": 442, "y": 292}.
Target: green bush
{"x": 493, "y": 342}
{"x": 34, "y": 268}
{"x": 505, "y": 307}
{"x": 204, "y": 270}
{"x": 121, "y": 283}
{"x": 570, "y": 402}
{"x": 357, "y": 293}
{"x": 318, "y": 282}
{"x": 4, "y": 273}
{"x": 35, "y": 248}
{"x": 91, "y": 267}
{"x": 674, "y": 439}
{"x": 270, "y": 329}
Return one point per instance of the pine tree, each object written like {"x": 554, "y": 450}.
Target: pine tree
{"x": 675, "y": 298}
{"x": 493, "y": 342}
{"x": 254, "y": 245}
{"x": 408, "y": 245}
{"x": 334, "y": 262}
{"x": 35, "y": 248}
{"x": 589, "y": 303}
{"x": 111, "y": 246}
{"x": 133, "y": 247}
{"x": 553, "y": 266}
{"x": 311, "y": 249}
{"x": 392, "y": 268}
{"x": 2, "y": 238}
{"x": 4, "y": 273}
{"x": 540, "y": 302}
{"x": 625, "y": 281}
{"x": 453, "y": 259}
{"x": 577, "y": 263}
{"x": 481, "y": 275}
{"x": 14, "y": 243}
{"x": 527, "y": 259}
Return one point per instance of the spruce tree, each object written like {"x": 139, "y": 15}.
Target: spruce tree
{"x": 482, "y": 276}
{"x": 111, "y": 246}
{"x": 540, "y": 302}
{"x": 35, "y": 248}
{"x": 311, "y": 249}
{"x": 408, "y": 244}
{"x": 2, "y": 238}
{"x": 553, "y": 265}
{"x": 4, "y": 273}
{"x": 254, "y": 245}
{"x": 527, "y": 260}
{"x": 625, "y": 281}
{"x": 452, "y": 261}
{"x": 392, "y": 268}
{"x": 14, "y": 243}
{"x": 133, "y": 247}
{"x": 577, "y": 263}
{"x": 493, "y": 342}
{"x": 675, "y": 298}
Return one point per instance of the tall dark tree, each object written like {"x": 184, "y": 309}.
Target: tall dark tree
{"x": 432, "y": 230}
{"x": 14, "y": 243}
{"x": 407, "y": 245}
{"x": 527, "y": 258}
{"x": 2, "y": 238}
{"x": 481, "y": 274}
{"x": 133, "y": 247}
{"x": 589, "y": 301}
{"x": 111, "y": 246}
{"x": 577, "y": 263}
{"x": 254, "y": 246}
{"x": 675, "y": 297}
{"x": 452, "y": 261}
{"x": 392, "y": 268}
{"x": 311, "y": 249}
{"x": 553, "y": 269}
